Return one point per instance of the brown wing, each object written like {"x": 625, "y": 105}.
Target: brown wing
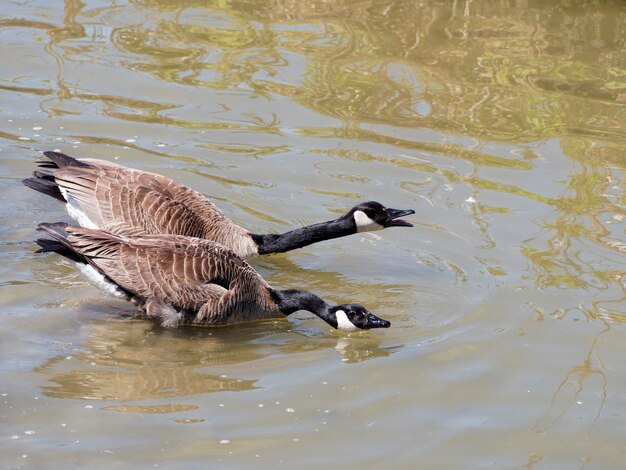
{"x": 181, "y": 279}
{"x": 129, "y": 201}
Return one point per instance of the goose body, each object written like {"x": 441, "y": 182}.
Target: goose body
{"x": 113, "y": 198}
{"x": 183, "y": 280}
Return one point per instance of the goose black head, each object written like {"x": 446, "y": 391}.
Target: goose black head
{"x": 372, "y": 215}
{"x": 352, "y": 317}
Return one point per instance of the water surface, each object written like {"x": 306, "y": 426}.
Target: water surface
{"x": 501, "y": 123}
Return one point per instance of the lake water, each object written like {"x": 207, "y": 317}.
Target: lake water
{"x": 502, "y": 123}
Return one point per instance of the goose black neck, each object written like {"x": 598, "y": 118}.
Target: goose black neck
{"x": 279, "y": 243}
{"x": 291, "y": 300}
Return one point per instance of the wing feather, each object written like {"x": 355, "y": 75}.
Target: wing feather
{"x": 129, "y": 201}
{"x": 202, "y": 279}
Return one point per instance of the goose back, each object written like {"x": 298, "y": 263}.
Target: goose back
{"x": 177, "y": 279}
{"x": 132, "y": 202}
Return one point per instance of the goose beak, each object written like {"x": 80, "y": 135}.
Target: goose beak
{"x": 394, "y": 217}
{"x": 373, "y": 321}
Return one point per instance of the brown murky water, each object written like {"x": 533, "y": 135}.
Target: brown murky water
{"x": 502, "y": 123}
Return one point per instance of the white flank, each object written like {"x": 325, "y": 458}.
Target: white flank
{"x": 97, "y": 279}
{"x": 343, "y": 323}
{"x": 364, "y": 223}
{"x": 74, "y": 211}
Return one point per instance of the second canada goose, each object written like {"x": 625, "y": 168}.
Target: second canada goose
{"x": 107, "y": 196}
{"x": 182, "y": 280}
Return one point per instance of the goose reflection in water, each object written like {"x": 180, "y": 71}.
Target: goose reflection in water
{"x": 125, "y": 359}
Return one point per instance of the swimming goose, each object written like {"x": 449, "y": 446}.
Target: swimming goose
{"x": 107, "y": 196}
{"x": 182, "y": 280}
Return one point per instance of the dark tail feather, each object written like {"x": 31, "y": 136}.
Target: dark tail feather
{"x": 44, "y": 185}
{"x": 60, "y": 244}
{"x": 57, "y": 230}
{"x": 89, "y": 244}
{"x": 54, "y": 246}
{"x": 43, "y": 178}
{"x": 60, "y": 160}
{"x": 46, "y": 164}
{"x": 45, "y": 174}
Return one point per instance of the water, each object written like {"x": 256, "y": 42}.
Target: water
{"x": 501, "y": 123}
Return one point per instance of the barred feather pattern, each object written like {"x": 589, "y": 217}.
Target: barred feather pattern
{"x": 127, "y": 201}
{"x": 180, "y": 280}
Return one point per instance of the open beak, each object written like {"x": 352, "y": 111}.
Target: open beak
{"x": 394, "y": 217}
{"x": 376, "y": 322}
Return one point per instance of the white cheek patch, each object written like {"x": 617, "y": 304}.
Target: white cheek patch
{"x": 364, "y": 223}
{"x": 74, "y": 211}
{"x": 343, "y": 323}
{"x": 97, "y": 279}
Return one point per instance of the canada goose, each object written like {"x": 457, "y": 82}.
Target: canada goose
{"x": 184, "y": 280}
{"x": 107, "y": 196}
